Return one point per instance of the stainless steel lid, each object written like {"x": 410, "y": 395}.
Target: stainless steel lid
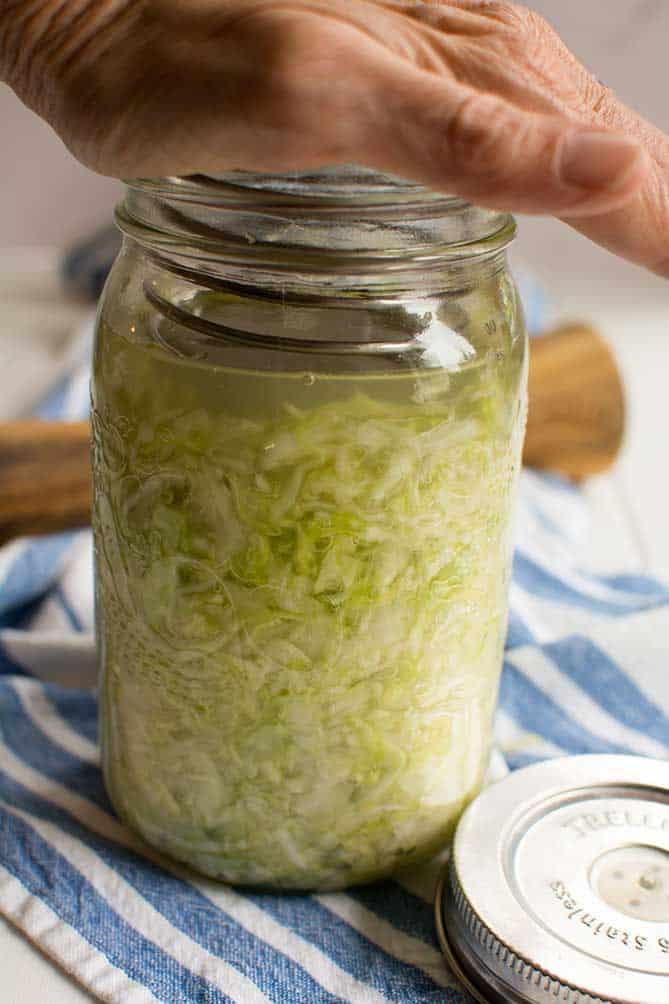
{"x": 558, "y": 885}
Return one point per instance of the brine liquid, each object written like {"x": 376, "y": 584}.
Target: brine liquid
{"x": 301, "y": 587}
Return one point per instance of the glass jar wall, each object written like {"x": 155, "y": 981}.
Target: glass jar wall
{"x": 308, "y": 407}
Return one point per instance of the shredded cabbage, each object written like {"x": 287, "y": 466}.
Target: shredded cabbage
{"x": 302, "y": 593}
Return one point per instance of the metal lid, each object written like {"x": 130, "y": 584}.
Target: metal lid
{"x": 558, "y": 885}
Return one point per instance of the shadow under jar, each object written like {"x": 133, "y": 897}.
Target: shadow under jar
{"x": 308, "y": 410}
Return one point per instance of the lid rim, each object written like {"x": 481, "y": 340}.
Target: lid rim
{"x": 447, "y": 948}
{"x": 450, "y": 890}
{"x": 516, "y": 906}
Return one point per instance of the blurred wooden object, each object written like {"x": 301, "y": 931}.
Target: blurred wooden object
{"x": 45, "y": 477}
{"x": 575, "y": 427}
{"x": 576, "y": 422}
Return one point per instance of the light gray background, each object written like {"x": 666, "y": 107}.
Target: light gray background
{"x": 46, "y": 198}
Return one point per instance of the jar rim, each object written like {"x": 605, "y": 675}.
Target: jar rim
{"x": 335, "y": 220}
{"x": 327, "y": 187}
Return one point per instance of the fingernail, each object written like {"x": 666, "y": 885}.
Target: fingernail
{"x": 598, "y": 160}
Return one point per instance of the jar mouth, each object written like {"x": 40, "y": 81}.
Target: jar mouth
{"x": 345, "y": 185}
{"x": 344, "y": 219}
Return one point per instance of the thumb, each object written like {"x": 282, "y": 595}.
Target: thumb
{"x": 489, "y": 151}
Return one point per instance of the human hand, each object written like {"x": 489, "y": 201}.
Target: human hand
{"x": 480, "y": 99}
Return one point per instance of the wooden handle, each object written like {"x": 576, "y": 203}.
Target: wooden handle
{"x": 576, "y": 421}
{"x": 45, "y": 477}
{"x": 575, "y": 426}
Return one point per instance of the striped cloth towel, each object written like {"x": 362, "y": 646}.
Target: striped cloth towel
{"x": 585, "y": 672}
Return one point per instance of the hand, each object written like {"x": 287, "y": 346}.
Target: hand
{"x": 480, "y": 99}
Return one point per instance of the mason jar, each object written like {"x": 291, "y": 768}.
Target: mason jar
{"x": 308, "y": 410}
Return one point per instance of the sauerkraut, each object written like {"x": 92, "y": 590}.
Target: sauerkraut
{"x": 302, "y": 585}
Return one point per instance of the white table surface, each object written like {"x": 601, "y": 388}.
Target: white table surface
{"x": 630, "y": 506}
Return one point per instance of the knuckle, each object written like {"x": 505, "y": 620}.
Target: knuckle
{"x": 529, "y": 50}
{"x": 281, "y": 48}
{"x": 525, "y": 41}
{"x": 275, "y": 98}
{"x": 289, "y": 43}
{"x": 475, "y": 137}
{"x": 519, "y": 31}
{"x": 293, "y": 99}
{"x": 293, "y": 56}
{"x": 510, "y": 15}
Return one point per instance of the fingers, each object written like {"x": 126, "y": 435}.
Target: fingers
{"x": 511, "y": 52}
{"x": 480, "y": 100}
{"x": 483, "y": 148}
{"x": 640, "y": 230}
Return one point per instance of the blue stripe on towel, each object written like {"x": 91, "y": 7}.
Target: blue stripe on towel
{"x": 34, "y": 569}
{"x": 20, "y": 618}
{"x": 548, "y": 580}
{"x": 79, "y": 708}
{"x": 642, "y": 585}
{"x": 350, "y": 950}
{"x": 540, "y": 582}
{"x": 609, "y": 686}
{"x": 35, "y": 749}
{"x": 185, "y": 908}
{"x": 538, "y": 713}
{"x": 405, "y": 911}
{"x": 9, "y": 666}
{"x": 54, "y": 403}
{"x": 50, "y": 877}
{"x": 518, "y": 760}
{"x": 518, "y": 633}
{"x": 67, "y": 608}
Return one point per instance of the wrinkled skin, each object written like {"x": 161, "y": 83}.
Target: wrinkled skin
{"x": 481, "y": 99}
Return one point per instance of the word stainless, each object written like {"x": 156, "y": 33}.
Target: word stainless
{"x": 597, "y": 927}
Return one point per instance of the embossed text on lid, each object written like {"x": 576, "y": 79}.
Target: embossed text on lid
{"x": 558, "y": 886}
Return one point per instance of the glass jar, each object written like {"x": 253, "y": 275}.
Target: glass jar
{"x": 308, "y": 410}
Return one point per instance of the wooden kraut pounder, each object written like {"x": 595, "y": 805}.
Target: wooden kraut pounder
{"x": 575, "y": 427}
